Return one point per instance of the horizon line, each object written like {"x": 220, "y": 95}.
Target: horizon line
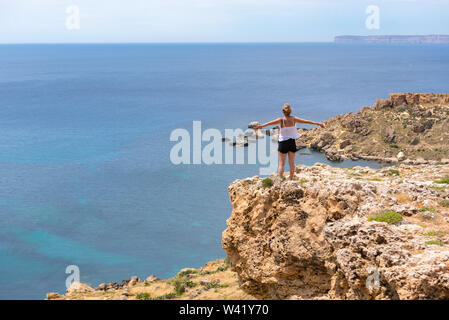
{"x": 205, "y": 43}
{"x": 171, "y": 42}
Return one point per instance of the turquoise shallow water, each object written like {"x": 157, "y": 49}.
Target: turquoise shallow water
{"x": 84, "y": 146}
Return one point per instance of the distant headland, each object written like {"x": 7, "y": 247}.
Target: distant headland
{"x": 395, "y": 39}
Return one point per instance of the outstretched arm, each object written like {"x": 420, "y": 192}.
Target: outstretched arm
{"x": 299, "y": 120}
{"x": 275, "y": 121}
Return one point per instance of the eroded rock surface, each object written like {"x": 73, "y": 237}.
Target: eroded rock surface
{"x": 310, "y": 238}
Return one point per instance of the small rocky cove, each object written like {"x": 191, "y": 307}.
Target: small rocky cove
{"x": 411, "y": 128}
{"x": 332, "y": 233}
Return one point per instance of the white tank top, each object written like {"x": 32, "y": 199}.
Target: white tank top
{"x": 288, "y": 132}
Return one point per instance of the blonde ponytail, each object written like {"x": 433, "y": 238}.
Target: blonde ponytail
{"x": 286, "y": 110}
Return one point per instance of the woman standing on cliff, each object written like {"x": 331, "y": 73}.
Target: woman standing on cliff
{"x": 287, "y": 136}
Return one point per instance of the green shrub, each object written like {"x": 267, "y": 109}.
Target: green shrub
{"x": 170, "y": 295}
{"x": 143, "y": 296}
{"x": 222, "y": 268}
{"x": 214, "y": 285}
{"x": 205, "y": 273}
{"x": 219, "y": 269}
{"x": 393, "y": 172}
{"x": 389, "y": 217}
{"x": 442, "y": 181}
{"x": 227, "y": 262}
{"x": 434, "y": 234}
{"x": 211, "y": 285}
{"x": 427, "y": 215}
{"x": 187, "y": 272}
{"x": 439, "y": 189}
{"x": 267, "y": 183}
{"x": 428, "y": 124}
{"x": 179, "y": 289}
{"x": 426, "y": 209}
{"x": 437, "y": 242}
{"x": 181, "y": 285}
{"x": 444, "y": 203}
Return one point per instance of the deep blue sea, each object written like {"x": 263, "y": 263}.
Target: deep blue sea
{"x": 85, "y": 173}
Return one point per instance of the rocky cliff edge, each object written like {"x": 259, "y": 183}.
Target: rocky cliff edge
{"x": 334, "y": 233}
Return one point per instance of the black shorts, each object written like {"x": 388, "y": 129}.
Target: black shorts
{"x": 287, "y": 146}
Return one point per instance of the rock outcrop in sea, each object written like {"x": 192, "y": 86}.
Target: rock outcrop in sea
{"x": 336, "y": 233}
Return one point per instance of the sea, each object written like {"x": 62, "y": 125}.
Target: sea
{"x": 87, "y": 184}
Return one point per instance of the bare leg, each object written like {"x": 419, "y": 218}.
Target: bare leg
{"x": 282, "y": 157}
{"x": 291, "y": 163}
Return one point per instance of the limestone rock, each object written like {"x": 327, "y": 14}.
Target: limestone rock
{"x": 389, "y": 135}
{"x": 355, "y": 123}
{"x": 193, "y": 293}
{"x": 240, "y": 143}
{"x": 102, "y": 287}
{"x": 151, "y": 278}
{"x": 382, "y": 104}
{"x": 78, "y": 287}
{"x": 133, "y": 281}
{"x": 400, "y": 156}
{"x": 345, "y": 143}
{"x": 310, "y": 238}
{"x": 419, "y": 128}
{"x": 322, "y": 141}
{"x": 112, "y": 285}
{"x": 253, "y": 124}
{"x": 397, "y": 99}
{"x": 52, "y": 296}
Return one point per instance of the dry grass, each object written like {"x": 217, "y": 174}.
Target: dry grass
{"x": 403, "y": 198}
{"x": 223, "y": 285}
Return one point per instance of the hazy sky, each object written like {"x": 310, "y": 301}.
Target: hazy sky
{"x": 23, "y": 21}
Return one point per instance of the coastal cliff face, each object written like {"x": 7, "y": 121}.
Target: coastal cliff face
{"x": 317, "y": 237}
{"x": 395, "y": 39}
{"x": 412, "y": 128}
